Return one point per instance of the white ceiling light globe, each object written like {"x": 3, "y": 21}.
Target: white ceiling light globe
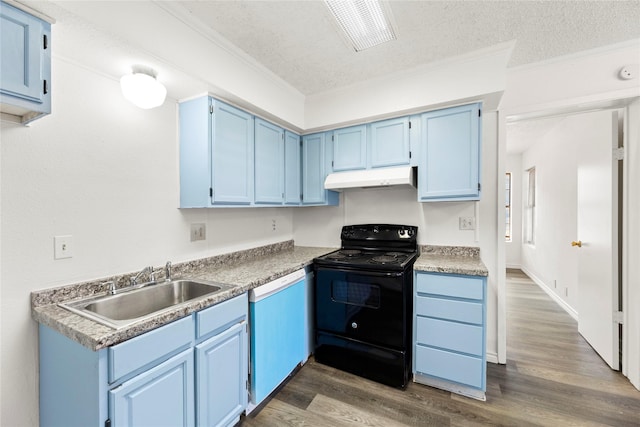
{"x": 143, "y": 90}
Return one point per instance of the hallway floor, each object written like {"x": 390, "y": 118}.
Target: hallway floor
{"x": 552, "y": 378}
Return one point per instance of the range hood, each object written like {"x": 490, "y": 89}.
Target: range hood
{"x": 382, "y": 177}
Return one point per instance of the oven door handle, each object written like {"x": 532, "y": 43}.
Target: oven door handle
{"x": 361, "y": 272}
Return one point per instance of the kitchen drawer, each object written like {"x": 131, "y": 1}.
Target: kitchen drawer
{"x": 461, "y": 311}
{"x": 221, "y": 316}
{"x": 470, "y": 287}
{"x": 450, "y": 335}
{"x": 142, "y": 350}
{"x": 449, "y": 366}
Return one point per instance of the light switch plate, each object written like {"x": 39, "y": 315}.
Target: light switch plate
{"x": 62, "y": 247}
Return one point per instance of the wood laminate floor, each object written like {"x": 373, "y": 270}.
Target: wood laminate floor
{"x": 552, "y": 378}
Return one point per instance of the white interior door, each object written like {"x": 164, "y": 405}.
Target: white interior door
{"x": 597, "y": 239}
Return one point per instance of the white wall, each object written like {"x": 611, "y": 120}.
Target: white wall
{"x": 105, "y": 172}
{"x": 513, "y": 248}
{"x": 467, "y": 78}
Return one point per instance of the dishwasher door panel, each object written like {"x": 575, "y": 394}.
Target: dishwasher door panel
{"x": 278, "y": 338}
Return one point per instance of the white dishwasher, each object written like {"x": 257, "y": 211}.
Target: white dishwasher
{"x": 278, "y": 343}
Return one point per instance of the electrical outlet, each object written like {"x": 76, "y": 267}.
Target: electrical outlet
{"x": 467, "y": 223}
{"x": 273, "y": 225}
{"x": 198, "y": 232}
{"x": 62, "y": 247}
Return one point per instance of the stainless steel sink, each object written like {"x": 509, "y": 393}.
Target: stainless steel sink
{"x": 120, "y": 310}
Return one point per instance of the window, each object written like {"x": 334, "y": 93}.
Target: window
{"x": 530, "y": 208}
{"x": 507, "y": 205}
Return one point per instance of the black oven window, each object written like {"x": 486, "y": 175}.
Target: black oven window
{"x": 361, "y": 294}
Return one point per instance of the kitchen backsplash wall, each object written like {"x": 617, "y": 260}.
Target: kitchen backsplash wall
{"x": 437, "y": 222}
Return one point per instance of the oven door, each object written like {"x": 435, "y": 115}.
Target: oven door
{"x": 364, "y": 306}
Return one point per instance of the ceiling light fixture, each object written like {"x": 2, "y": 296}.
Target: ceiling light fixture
{"x": 364, "y": 22}
{"x": 142, "y": 88}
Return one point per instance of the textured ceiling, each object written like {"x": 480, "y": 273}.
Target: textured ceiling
{"x": 298, "y": 41}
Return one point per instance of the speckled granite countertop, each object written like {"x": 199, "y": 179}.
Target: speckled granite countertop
{"x": 243, "y": 270}
{"x": 451, "y": 259}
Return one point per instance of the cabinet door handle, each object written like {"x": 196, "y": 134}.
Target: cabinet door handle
{"x": 578, "y": 243}
{"x": 45, "y": 89}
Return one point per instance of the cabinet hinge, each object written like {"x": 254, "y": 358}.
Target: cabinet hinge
{"x": 332, "y": 163}
{"x": 618, "y": 153}
{"x": 45, "y": 89}
{"x": 107, "y": 423}
{"x": 479, "y": 186}
{"x": 45, "y": 42}
{"x": 618, "y": 317}
{"x": 210, "y": 191}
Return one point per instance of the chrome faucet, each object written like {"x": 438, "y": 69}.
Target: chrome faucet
{"x": 167, "y": 271}
{"x": 133, "y": 281}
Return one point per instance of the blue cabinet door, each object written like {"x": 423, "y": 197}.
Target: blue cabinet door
{"x": 25, "y": 63}
{"x": 269, "y": 163}
{"x": 390, "y": 142}
{"x": 315, "y": 163}
{"x": 449, "y": 164}
{"x": 313, "y": 174}
{"x": 162, "y": 396}
{"x": 232, "y": 155}
{"x": 195, "y": 153}
{"x": 350, "y": 148}
{"x": 221, "y": 383}
{"x": 292, "y": 168}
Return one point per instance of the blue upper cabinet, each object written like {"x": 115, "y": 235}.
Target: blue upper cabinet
{"x": 390, "y": 142}
{"x": 350, "y": 148}
{"x": 314, "y": 167}
{"x": 269, "y": 163}
{"x": 292, "y": 169}
{"x": 25, "y": 64}
{"x": 232, "y": 150}
{"x": 216, "y": 154}
{"x": 449, "y": 162}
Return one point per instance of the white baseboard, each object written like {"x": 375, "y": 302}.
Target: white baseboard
{"x": 566, "y": 307}
{"x": 516, "y": 266}
{"x": 492, "y": 357}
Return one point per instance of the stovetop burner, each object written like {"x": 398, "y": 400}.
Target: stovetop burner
{"x": 384, "y": 259}
{"x": 374, "y": 246}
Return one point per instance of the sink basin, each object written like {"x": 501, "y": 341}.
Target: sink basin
{"x": 123, "y": 309}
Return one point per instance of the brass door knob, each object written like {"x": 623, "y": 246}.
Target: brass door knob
{"x": 578, "y": 243}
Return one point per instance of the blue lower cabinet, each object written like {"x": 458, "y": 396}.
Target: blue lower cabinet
{"x": 219, "y": 362}
{"x": 449, "y": 336}
{"x": 193, "y": 371}
{"x": 162, "y": 396}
